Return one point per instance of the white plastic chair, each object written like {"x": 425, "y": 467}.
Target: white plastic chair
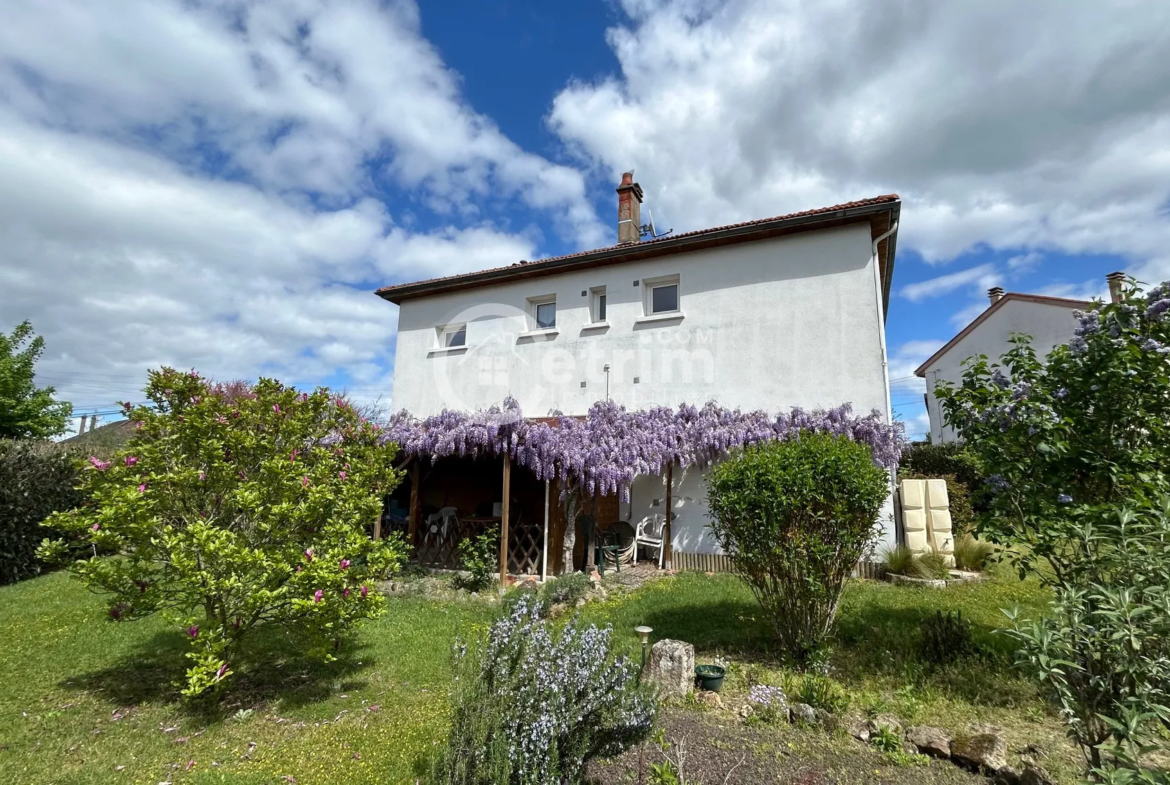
{"x": 648, "y": 532}
{"x": 441, "y": 522}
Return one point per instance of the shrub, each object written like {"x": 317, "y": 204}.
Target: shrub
{"x": 567, "y": 589}
{"x": 480, "y": 557}
{"x": 237, "y": 512}
{"x": 952, "y": 459}
{"x": 820, "y": 692}
{"x": 797, "y": 516}
{"x": 532, "y": 706}
{"x": 946, "y": 638}
{"x": 1103, "y": 651}
{"x": 36, "y": 480}
{"x": 972, "y": 554}
{"x": 934, "y": 565}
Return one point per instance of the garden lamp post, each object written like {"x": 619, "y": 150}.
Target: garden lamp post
{"x": 644, "y": 633}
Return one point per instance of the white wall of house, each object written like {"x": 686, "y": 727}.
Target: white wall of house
{"x": 1049, "y": 324}
{"x": 772, "y": 324}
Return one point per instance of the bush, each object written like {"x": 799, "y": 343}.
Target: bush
{"x": 567, "y": 589}
{"x": 797, "y": 516}
{"x": 946, "y": 638}
{"x": 36, "y": 480}
{"x": 480, "y": 557}
{"x": 972, "y": 554}
{"x": 530, "y": 706}
{"x": 1103, "y": 652}
{"x": 901, "y": 560}
{"x": 818, "y": 691}
{"x": 934, "y": 565}
{"x": 237, "y": 512}
{"x": 952, "y": 459}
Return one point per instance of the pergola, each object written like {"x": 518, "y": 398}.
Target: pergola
{"x": 603, "y": 452}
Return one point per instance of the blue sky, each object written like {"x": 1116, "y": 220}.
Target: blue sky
{"x": 219, "y": 183}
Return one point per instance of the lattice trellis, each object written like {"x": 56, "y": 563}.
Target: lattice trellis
{"x": 524, "y": 546}
{"x": 436, "y": 549}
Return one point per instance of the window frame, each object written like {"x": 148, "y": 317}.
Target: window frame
{"x": 648, "y": 287}
{"x": 445, "y": 332}
{"x": 598, "y": 306}
{"x": 534, "y": 304}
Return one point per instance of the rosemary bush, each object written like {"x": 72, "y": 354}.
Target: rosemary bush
{"x": 531, "y": 706}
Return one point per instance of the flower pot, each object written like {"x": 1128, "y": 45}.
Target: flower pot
{"x": 710, "y": 677}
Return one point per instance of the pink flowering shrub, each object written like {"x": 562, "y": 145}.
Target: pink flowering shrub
{"x": 236, "y": 511}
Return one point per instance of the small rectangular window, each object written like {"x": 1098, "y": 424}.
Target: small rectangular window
{"x": 457, "y": 337}
{"x": 452, "y": 336}
{"x": 664, "y": 298}
{"x": 543, "y": 312}
{"x": 599, "y": 304}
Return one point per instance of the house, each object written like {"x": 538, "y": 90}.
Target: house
{"x": 1048, "y": 321}
{"x": 763, "y": 315}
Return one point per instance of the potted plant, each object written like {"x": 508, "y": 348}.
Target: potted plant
{"x": 710, "y": 677}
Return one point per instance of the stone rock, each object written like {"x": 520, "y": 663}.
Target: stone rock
{"x": 745, "y": 711}
{"x": 1006, "y": 776}
{"x": 905, "y": 580}
{"x": 856, "y": 727}
{"x": 1034, "y": 775}
{"x": 887, "y": 721}
{"x": 928, "y": 740}
{"x": 670, "y": 668}
{"x": 986, "y": 751}
{"x": 709, "y": 699}
{"x": 803, "y": 713}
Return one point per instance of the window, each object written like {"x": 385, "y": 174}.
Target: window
{"x": 452, "y": 336}
{"x": 599, "y": 304}
{"x": 661, "y": 296}
{"x": 543, "y": 311}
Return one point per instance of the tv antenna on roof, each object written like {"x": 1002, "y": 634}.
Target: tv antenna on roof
{"x": 648, "y": 229}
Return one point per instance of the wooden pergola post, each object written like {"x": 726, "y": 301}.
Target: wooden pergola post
{"x": 504, "y": 521}
{"x": 666, "y": 531}
{"x": 544, "y": 541}
{"x": 415, "y": 504}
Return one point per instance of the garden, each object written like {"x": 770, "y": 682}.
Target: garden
{"x": 215, "y": 609}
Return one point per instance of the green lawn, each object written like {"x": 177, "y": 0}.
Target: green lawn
{"x": 81, "y": 697}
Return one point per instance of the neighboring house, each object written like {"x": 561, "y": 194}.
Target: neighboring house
{"x": 1048, "y": 321}
{"x": 767, "y": 314}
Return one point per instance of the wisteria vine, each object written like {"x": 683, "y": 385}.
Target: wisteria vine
{"x": 606, "y": 449}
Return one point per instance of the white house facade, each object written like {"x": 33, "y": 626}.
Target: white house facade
{"x": 1048, "y": 321}
{"x": 772, "y": 314}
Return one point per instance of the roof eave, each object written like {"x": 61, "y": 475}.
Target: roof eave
{"x": 399, "y": 293}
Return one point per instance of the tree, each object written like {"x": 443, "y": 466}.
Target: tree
{"x": 235, "y": 508}
{"x": 26, "y": 411}
{"x": 797, "y": 515}
{"x": 1077, "y": 450}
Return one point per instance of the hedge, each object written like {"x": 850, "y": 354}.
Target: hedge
{"x": 36, "y": 478}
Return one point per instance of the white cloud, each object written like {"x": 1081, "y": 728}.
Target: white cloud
{"x": 199, "y": 184}
{"x": 904, "y": 359}
{"x": 1044, "y": 127}
{"x": 984, "y": 274}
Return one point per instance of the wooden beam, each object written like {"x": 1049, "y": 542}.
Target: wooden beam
{"x": 666, "y": 532}
{"x": 415, "y": 504}
{"x": 544, "y": 541}
{"x": 504, "y": 521}
{"x": 378, "y": 527}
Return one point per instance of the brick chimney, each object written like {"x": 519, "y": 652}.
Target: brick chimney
{"x": 994, "y": 293}
{"x": 629, "y": 210}
{"x": 1115, "y": 281}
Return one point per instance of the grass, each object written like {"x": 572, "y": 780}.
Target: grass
{"x": 81, "y": 696}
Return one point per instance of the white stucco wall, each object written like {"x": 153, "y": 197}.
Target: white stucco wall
{"x": 1049, "y": 324}
{"x": 792, "y": 321}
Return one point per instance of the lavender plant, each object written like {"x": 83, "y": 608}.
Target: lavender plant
{"x": 531, "y": 706}
{"x": 233, "y": 508}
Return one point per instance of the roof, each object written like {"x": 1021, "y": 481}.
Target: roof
{"x": 981, "y": 318}
{"x": 881, "y": 212}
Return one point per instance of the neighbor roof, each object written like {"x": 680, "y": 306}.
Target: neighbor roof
{"x": 981, "y": 318}
{"x": 881, "y": 212}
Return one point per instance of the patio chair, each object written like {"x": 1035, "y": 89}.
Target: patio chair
{"x": 442, "y": 522}
{"x": 606, "y": 545}
{"x": 649, "y": 533}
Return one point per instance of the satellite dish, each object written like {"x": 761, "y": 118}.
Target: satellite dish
{"x": 649, "y": 228}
